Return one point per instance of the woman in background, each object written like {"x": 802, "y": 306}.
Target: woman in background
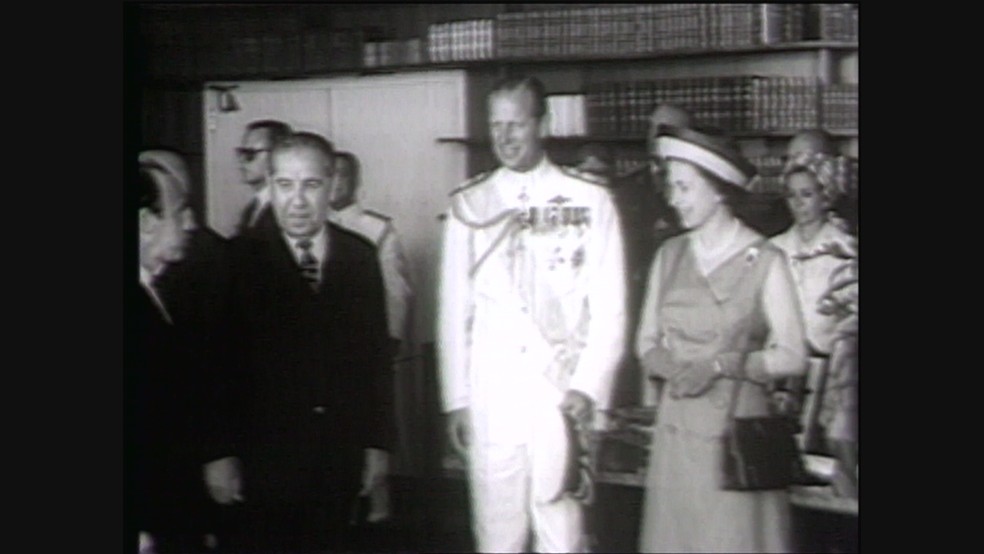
{"x": 720, "y": 309}
{"x": 822, "y": 258}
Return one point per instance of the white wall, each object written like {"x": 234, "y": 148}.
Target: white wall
{"x": 391, "y": 122}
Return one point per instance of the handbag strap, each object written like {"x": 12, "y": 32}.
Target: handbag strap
{"x": 741, "y": 378}
{"x": 734, "y": 398}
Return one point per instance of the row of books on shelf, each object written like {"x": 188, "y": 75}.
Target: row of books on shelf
{"x": 461, "y": 41}
{"x": 731, "y": 104}
{"x": 769, "y": 171}
{"x": 840, "y": 106}
{"x": 736, "y": 104}
{"x": 645, "y": 28}
{"x": 393, "y": 52}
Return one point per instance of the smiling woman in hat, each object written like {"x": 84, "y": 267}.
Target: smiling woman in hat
{"x": 720, "y": 309}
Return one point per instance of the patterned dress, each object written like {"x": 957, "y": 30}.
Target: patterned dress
{"x": 745, "y": 305}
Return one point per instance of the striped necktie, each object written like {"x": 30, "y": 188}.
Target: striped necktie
{"x": 308, "y": 263}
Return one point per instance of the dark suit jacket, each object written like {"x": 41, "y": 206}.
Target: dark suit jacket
{"x": 165, "y": 403}
{"x": 198, "y": 295}
{"x": 314, "y": 362}
{"x": 647, "y": 221}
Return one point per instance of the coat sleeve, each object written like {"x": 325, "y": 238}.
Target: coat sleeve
{"x": 381, "y": 422}
{"x": 454, "y": 315}
{"x": 595, "y": 372}
{"x": 399, "y": 286}
{"x": 784, "y": 351}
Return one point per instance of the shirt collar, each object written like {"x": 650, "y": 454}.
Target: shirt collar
{"x": 263, "y": 196}
{"x": 147, "y": 282}
{"x": 319, "y": 243}
{"x": 532, "y": 174}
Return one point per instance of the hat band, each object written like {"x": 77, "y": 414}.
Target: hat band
{"x": 672, "y": 147}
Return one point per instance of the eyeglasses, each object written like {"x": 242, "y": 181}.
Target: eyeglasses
{"x": 249, "y": 154}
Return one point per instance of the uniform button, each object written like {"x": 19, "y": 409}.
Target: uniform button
{"x": 319, "y": 410}
{"x": 525, "y": 310}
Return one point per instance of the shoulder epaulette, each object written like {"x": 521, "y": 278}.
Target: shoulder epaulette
{"x": 472, "y": 182}
{"x": 584, "y": 176}
{"x": 378, "y": 215}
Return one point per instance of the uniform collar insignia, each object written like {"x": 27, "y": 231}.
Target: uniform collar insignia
{"x": 559, "y": 200}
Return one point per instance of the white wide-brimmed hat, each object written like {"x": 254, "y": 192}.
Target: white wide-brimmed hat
{"x": 716, "y": 154}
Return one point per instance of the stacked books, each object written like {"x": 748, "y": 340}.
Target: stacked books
{"x": 393, "y": 52}
{"x": 568, "y": 115}
{"x": 744, "y": 103}
{"x": 457, "y": 41}
{"x": 839, "y": 106}
{"x": 645, "y": 28}
{"x": 833, "y": 22}
{"x": 770, "y": 181}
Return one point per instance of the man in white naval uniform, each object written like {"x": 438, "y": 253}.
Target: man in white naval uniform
{"x": 531, "y": 326}
{"x": 379, "y": 229}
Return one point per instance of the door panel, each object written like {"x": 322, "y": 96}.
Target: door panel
{"x": 304, "y": 107}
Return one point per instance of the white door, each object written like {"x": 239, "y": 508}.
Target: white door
{"x": 392, "y": 123}
{"x": 302, "y": 105}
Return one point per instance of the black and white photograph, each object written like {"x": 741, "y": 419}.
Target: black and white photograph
{"x": 491, "y": 278}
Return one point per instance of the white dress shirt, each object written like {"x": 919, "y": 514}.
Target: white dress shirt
{"x": 147, "y": 282}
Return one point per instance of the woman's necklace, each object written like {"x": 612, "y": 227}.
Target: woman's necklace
{"x": 712, "y": 252}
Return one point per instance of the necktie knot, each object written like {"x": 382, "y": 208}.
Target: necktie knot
{"x": 308, "y": 263}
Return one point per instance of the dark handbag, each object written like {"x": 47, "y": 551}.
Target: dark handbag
{"x": 759, "y": 453}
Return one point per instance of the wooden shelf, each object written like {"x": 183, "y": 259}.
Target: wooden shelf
{"x": 839, "y": 133}
{"x": 752, "y": 50}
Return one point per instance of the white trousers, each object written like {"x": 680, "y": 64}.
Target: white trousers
{"x": 514, "y": 489}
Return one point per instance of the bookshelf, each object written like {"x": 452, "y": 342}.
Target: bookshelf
{"x": 639, "y": 140}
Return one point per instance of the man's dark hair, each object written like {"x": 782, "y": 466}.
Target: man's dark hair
{"x": 276, "y": 130}
{"x": 353, "y": 162}
{"x": 532, "y": 84}
{"x": 308, "y": 141}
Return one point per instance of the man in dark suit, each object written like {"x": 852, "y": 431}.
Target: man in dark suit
{"x": 314, "y": 343}
{"x": 171, "y": 396}
{"x": 253, "y": 156}
{"x": 647, "y": 221}
{"x": 197, "y": 293}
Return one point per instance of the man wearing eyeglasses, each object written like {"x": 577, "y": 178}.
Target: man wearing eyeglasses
{"x": 253, "y": 156}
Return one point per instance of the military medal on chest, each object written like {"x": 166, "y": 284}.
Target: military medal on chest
{"x": 556, "y": 230}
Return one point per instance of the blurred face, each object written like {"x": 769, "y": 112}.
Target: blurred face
{"x": 343, "y": 186}
{"x": 517, "y": 136}
{"x": 804, "y": 197}
{"x": 163, "y": 237}
{"x": 253, "y": 156}
{"x": 300, "y": 185}
{"x": 690, "y": 193}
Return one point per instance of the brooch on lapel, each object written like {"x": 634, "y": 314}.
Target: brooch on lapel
{"x": 751, "y": 255}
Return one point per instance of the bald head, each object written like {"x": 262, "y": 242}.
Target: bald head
{"x": 811, "y": 141}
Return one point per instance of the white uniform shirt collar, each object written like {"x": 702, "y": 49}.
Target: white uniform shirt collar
{"x": 520, "y": 182}
{"x": 147, "y": 282}
{"x": 263, "y": 196}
